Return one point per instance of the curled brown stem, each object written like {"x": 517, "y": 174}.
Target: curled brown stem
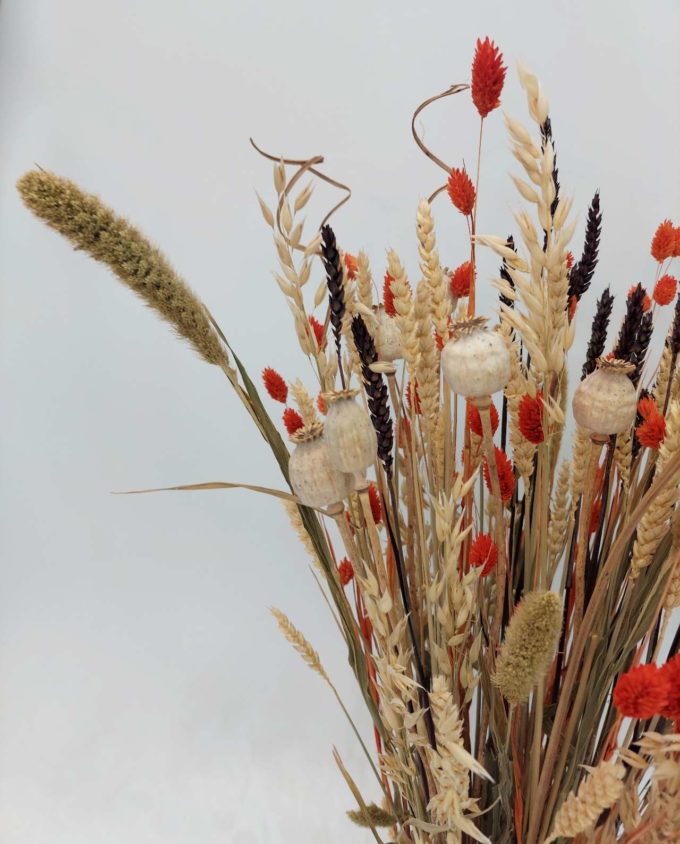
{"x": 307, "y": 165}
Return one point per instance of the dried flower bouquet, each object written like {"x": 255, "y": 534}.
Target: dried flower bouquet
{"x": 508, "y": 602}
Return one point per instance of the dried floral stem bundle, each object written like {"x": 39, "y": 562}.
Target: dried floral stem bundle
{"x": 506, "y": 583}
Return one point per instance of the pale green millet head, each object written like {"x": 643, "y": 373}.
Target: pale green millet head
{"x": 529, "y": 645}
{"x": 96, "y": 229}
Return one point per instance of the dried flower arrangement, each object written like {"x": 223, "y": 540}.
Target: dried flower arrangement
{"x": 511, "y": 619}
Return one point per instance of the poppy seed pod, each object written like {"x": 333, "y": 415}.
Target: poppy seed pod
{"x": 475, "y": 361}
{"x": 606, "y": 400}
{"x": 315, "y": 481}
{"x": 349, "y": 434}
{"x": 387, "y": 336}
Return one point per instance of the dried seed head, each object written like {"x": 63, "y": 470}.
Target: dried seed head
{"x": 351, "y": 438}
{"x": 315, "y": 481}
{"x": 475, "y": 361}
{"x": 387, "y": 336}
{"x": 605, "y": 401}
{"x": 529, "y": 645}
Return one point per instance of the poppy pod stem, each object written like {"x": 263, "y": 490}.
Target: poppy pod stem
{"x": 597, "y": 441}
{"x": 483, "y": 405}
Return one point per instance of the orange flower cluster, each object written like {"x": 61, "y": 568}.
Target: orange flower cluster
{"x": 646, "y": 302}
{"x": 666, "y": 242}
{"x": 648, "y": 690}
{"x": 665, "y": 290}
{"x": 321, "y": 404}
{"x": 376, "y": 505}
{"x": 413, "y": 398}
{"x": 461, "y": 280}
{"x": 461, "y": 191}
{"x": 488, "y": 76}
{"x": 475, "y": 420}
{"x": 652, "y": 430}
{"x": 388, "y": 296}
{"x": 483, "y": 552}
{"x": 292, "y": 420}
{"x": 506, "y": 476}
{"x": 319, "y": 333}
{"x": 352, "y": 266}
{"x": 530, "y": 417}
{"x": 345, "y": 571}
{"x": 275, "y": 385}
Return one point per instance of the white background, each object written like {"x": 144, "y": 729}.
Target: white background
{"x": 145, "y": 694}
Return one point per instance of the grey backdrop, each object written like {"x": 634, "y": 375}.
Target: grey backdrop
{"x": 145, "y": 695}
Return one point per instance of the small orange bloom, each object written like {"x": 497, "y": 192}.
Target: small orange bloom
{"x": 352, "y": 266}
{"x": 488, "y": 77}
{"x": 461, "y": 280}
{"x": 676, "y": 242}
{"x": 483, "y": 552}
{"x": 506, "y": 476}
{"x": 573, "y": 303}
{"x": 641, "y": 692}
{"x": 570, "y": 260}
{"x": 462, "y": 191}
{"x": 345, "y": 571}
{"x": 531, "y": 417}
{"x": 321, "y": 404}
{"x": 665, "y": 290}
{"x": 646, "y": 302}
{"x": 292, "y": 420}
{"x": 275, "y": 385}
{"x": 475, "y": 419}
{"x": 647, "y": 406}
{"x": 652, "y": 431}
{"x": 413, "y": 398}
{"x": 663, "y": 242}
{"x": 388, "y": 296}
{"x": 376, "y": 505}
{"x": 318, "y": 329}
{"x": 671, "y": 672}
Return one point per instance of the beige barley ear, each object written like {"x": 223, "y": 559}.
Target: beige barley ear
{"x": 93, "y": 227}
{"x": 599, "y": 791}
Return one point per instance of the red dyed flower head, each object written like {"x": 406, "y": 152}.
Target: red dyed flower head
{"x": 345, "y": 571}
{"x": 483, "y": 552}
{"x": 665, "y": 290}
{"x": 573, "y": 304}
{"x": 641, "y": 692}
{"x": 652, "y": 431}
{"x": 646, "y": 302}
{"x": 475, "y": 420}
{"x": 352, "y": 265}
{"x": 388, "y": 296}
{"x": 462, "y": 191}
{"x": 671, "y": 673}
{"x": 676, "y": 242}
{"x": 461, "y": 280}
{"x": 318, "y": 329}
{"x": 275, "y": 385}
{"x": 376, "y": 505}
{"x": 321, "y": 404}
{"x": 663, "y": 242}
{"x": 647, "y": 406}
{"x": 413, "y": 398}
{"x": 506, "y": 476}
{"x": 531, "y": 417}
{"x": 570, "y": 260}
{"x": 292, "y": 420}
{"x": 488, "y": 76}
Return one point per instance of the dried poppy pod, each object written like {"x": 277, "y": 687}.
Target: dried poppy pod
{"x": 475, "y": 361}
{"x": 315, "y": 480}
{"x": 606, "y": 400}
{"x": 350, "y": 435}
{"x": 386, "y": 336}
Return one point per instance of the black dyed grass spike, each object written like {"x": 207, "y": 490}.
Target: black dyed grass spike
{"x": 376, "y": 390}
{"x": 675, "y": 330}
{"x": 336, "y": 293}
{"x": 625, "y": 345}
{"x": 505, "y": 275}
{"x": 582, "y": 273}
{"x": 644, "y": 335}
{"x": 598, "y": 333}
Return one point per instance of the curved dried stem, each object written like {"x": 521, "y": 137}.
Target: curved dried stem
{"x": 304, "y": 166}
